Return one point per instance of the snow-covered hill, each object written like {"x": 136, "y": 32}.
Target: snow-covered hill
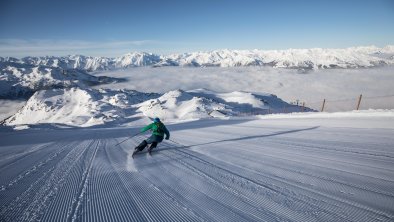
{"x": 316, "y": 58}
{"x": 179, "y": 104}
{"x": 19, "y": 80}
{"x": 203, "y": 103}
{"x": 79, "y": 107}
{"x": 88, "y": 107}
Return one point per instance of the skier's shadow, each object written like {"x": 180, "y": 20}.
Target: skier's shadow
{"x": 236, "y": 139}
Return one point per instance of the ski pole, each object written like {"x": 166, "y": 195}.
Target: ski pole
{"x": 129, "y": 138}
{"x": 181, "y": 145}
{"x": 175, "y": 142}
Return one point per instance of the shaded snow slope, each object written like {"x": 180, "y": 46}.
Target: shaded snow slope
{"x": 213, "y": 170}
{"x": 87, "y": 107}
{"x": 315, "y": 58}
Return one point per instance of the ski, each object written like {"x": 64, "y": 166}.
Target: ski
{"x": 137, "y": 151}
{"x": 134, "y": 154}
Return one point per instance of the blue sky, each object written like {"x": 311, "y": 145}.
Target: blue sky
{"x": 112, "y": 28}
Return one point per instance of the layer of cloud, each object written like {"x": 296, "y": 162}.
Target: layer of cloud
{"x": 21, "y": 47}
{"x": 312, "y": 87}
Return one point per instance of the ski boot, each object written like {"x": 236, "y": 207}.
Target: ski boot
{"x": 153, "y": 145}
{"x": 135, "y": 152}
{"x": 139, "y": 148}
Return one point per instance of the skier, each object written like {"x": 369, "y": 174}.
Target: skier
{"x": 158, "y": 131}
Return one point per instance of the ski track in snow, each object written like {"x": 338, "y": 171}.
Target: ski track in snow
{"x": 240, "y": 171}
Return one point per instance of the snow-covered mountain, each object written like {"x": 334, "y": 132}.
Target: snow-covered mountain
{"x": 179, "y": 104}
{"x": 136, "y": 59}
{"x": 316, "y": 58}
{"x": 203, "y": 103}
{"x": 71, "y": 62}
{"x": 19, "y": 80}
{"x": 89, "y": 63}
{"x": 88, "y": 107}
{"x": 78, "y": 107}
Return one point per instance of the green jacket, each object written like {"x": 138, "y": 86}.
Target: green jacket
{"x": 158, "y": 129}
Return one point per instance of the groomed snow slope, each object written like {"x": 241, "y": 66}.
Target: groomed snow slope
{"x": 327, "y": 168}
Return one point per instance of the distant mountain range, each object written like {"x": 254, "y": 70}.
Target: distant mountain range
{"x": 315, "y": 58}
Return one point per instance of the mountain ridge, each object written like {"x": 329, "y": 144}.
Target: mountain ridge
{"x": 19, "y": 80}
{"x": 313, "y": 58}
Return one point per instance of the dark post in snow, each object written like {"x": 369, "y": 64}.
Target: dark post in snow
{"x": 359, "y": 101}
{"x": 303, "y": 107}
{"x": 322, "y": 107}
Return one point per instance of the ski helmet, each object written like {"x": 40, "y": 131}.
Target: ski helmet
{"x": 156, "y": 120}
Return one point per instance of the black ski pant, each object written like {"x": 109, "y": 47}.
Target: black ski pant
{"x": 143, "y": 144}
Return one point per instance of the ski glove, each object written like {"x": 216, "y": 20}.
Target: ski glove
{"x": 167, "y": 137}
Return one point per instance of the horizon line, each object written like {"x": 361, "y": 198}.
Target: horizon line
{"x": 36, "y": 49}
